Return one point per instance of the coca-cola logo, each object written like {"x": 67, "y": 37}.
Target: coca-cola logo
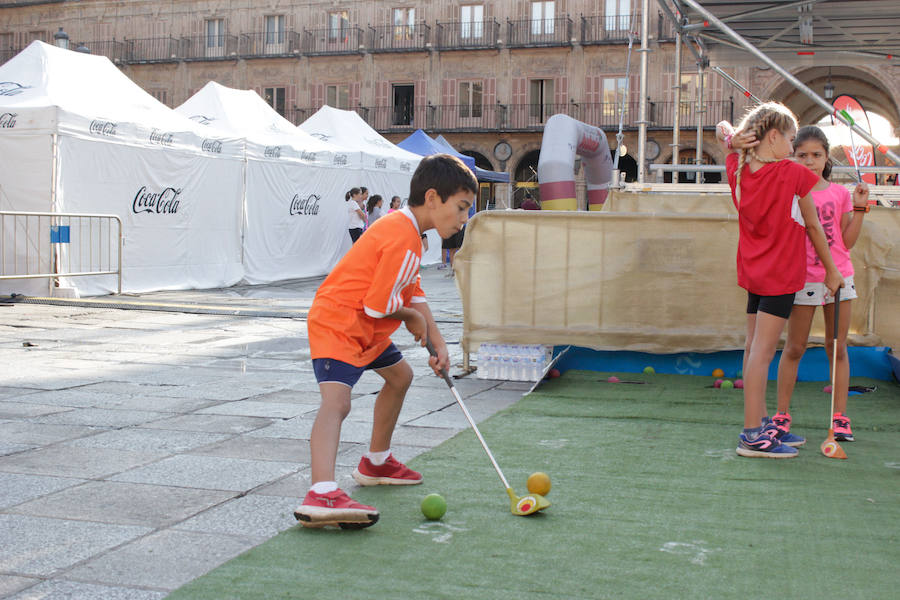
{"x": 11, "y": 88}
{"x": 161, "y": 137}
{"x": 211, "y": 145}
{"x": 8, "y": 120}
{"x": 310, "y": 156}
{"x": 862, "y": 154}
{"x": 381, "y": 163}
{"x": 340, "y": 159}
{"x": 304, "y": 206}
{"x": 273, "y": 152}
{"x": 163, "y": 202}
{"x": 405, "y": 166}
{"x": 321, "y": 136}
{"x": 588, "y": 144}
{"x": 378, "y": 142}
{"x": 105, "y": 128}
{"x": 202, "y": 119}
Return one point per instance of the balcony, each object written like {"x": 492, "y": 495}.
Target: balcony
{"x": 151, "y": 50}
{"x": 609, "y": 29}
{"x": 269, "y": 44}
{"x": 209, "y": 47}
{"x": 467, "y": 35}
{"x": 540, "y": 32}
{"x": 400, "y": 38}
{"x": 709, "y": 114}
{"x": 322, "y": 42}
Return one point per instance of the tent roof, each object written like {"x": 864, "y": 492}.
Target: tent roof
{"x": 420, "y": 143}
{"x": 347, "y": 129}
{"x": 480, "y": 174}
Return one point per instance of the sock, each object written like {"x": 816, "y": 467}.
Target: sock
{"x": 765, "y": 420}
{"x": 323, "y": 487}
{"x": 751, "y": 433}
{"x": 378, "y": 458}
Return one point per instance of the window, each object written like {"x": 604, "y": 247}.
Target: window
{"x": 470, "y": 94}
{"x": 471, "y": 21}
{"x": 612, "y": 91}
{"x": 689, "y": 84}
{"x": 404, "y": 23}
{"x": 337, "y": 96}
{"x": 274, "y": 97}
{"x": 542, "y": 14}
{"x": 274, "y": 29}
{"x": 403, "y": 105}
{"x": 338, "y": 26}
{"x": 160, "y": 95}
{"x": 617, "y": 15}
{"x": 540, "y": 94}
{"x": 215, "y": 33}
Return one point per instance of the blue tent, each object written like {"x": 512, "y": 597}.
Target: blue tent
{"x": 419, "y": 143}
{"x": 480, "y": 174}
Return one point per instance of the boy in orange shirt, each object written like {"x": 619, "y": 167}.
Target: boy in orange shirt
{"x": 374, "y": 288}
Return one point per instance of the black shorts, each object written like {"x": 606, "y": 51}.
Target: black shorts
{"x": 454, "y": 241}
{"x": 779, "y": 306}
{"x": 355, "y": 233}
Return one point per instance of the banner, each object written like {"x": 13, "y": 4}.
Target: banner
{"x": 865, "y": 154}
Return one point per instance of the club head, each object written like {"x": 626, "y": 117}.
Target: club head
{"x": 526, "y": 505}
{"x": 831, "y": 448}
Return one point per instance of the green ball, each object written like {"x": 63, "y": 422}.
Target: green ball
{"x": 434, "y": 506}
{"x": 727, "y": 384}
{"x": 649, "y": 370}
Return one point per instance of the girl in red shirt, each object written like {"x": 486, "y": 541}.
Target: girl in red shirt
{"x": 775, "y": 214}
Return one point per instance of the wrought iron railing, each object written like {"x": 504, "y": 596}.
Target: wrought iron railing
{"x": 467, "y": 35}
{"x": 710, "y": 113}
{"x": 270, "y": 43}
{"x": 615, "y": 28}
{"x": 210, "y": 47}
{"x": 540, "y": 32}
{"x": 150, "y": 50}
{"x": 344, "y": 40}
{"x": 399, "y": 38}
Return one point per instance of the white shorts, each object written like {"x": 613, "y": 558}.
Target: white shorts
{"x": 815, "y": 294}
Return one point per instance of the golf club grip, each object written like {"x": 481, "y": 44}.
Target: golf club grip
{"x": 837, "y": 310}
{"x": 444, "y": 372}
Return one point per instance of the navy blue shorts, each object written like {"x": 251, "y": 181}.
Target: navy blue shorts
{"x": 780, "y": 306}
{"x": 331, "y": 369}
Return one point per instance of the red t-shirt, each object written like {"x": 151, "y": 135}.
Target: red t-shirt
{"x": 771, "y": 256}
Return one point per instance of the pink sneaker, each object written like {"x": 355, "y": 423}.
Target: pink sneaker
{"x": 841, "y": 424}
{"x": 335, "y": 508}
{"x": 783, "y": 420}
{"x": 392, "y": 472}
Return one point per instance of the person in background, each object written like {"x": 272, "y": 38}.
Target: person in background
{"x": 362, "y": 200}
{"x": 373, "y": 208}
{"x": 395, "y": 204}
{"x": 529, "y": 203}
{"x": 355, "y": 215}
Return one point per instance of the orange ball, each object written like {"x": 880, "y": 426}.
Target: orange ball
{"x": 718, "y": 373}
{"x": 539, "y": 483}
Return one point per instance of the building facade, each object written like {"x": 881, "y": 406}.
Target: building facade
{"x": 484, "y": 74}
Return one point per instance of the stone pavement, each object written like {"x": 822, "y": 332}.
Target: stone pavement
{"x": 139, "y": 450}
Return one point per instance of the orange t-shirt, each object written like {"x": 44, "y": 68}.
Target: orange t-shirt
{"x": 378, "y": 276}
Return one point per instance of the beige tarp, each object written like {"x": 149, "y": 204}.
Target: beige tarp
{"x": 642, "y": 275}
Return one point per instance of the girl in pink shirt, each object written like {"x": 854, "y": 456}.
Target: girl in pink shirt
{"x": 841, "y": 217}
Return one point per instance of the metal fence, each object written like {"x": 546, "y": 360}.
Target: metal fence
{"x": 46, "y": 244}
{"x": 540, "y": 32}
{"x": 399, "y": 38}
{"x": 467, "y": 35}
{"x": 345, "y": 40}
{"x": 269, "y": 43}
{"x": 209, "y": 47}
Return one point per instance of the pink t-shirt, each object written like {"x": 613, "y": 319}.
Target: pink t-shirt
{"x": 831, "y": 204}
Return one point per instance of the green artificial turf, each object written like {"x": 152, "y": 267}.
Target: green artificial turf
{"x": 649, "y": 501}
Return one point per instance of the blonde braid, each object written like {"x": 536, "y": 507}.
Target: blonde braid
{"x": 759, "y": 121}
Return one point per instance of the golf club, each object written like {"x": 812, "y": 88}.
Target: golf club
{"x": 521, "y": 506}
{"x": 830, "y": 447}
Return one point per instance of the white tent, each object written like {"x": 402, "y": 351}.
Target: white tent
{"x": 295, "y": 219}
{"x": 387, "y": 169}
{"x": 79, "y": 136}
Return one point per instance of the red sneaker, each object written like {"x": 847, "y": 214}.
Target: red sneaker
{"x": 392, "y": 472}
{"x": 335, "y": 508}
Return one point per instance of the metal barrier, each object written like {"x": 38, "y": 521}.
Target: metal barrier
{"x": 48, "y": 244}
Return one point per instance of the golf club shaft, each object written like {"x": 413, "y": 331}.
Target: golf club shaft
{"x": 469, "y": 418}
{"x": 834, "y": 346}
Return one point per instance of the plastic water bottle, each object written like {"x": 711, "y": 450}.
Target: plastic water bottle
{"x": 505, "y": 363}
{"x": 534, "y": 363}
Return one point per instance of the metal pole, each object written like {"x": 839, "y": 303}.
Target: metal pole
{"x": 676, "y": 111}
{"x": 844, "y": 118}
{"x": 642, "y": 107}
{"x": 700, "y": 112}
{"x": 735, "y": 83}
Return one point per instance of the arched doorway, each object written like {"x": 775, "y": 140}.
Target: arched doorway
{"x": 526, "y": 179}
{"x": 486, "y": 196}
{"x": 688, "y": 156}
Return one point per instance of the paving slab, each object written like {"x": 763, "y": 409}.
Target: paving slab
{"x": 250, "y": 408}
{"x": 168, "y": 559}
{"x": 60, "y": 589}
{"x": 25, "y": 409}
{"x": 71, "y": 461}
{"x": 101, "y": 417}
{"x": 149, "y": 440}
{"x": 259, "y": 448}
{"x": 123, "y": 503}
{"x": 251, "y": 516}
{"x": 41, "y": 434}
{"x": 10, "y": 584}
{"x": 41, "y": 546}
{"x": 209, "y": 423}
{"x": 7, "y": 448}
{"x": 210, "y": 472}
{"x": 16, "y": 488}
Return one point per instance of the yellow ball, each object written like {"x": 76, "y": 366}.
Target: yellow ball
{"x": 539, "y": 483}
{"x": 718, "y": 373}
